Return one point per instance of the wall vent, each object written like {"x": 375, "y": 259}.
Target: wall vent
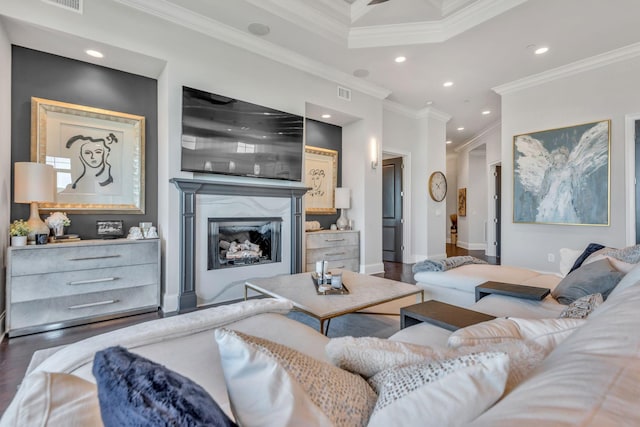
{"x": 344, "y": 93}
{"x": 74, "y": 5}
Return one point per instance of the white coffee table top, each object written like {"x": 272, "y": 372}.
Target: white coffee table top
{"x": 364, "y": 291}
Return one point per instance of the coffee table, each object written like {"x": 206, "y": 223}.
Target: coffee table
{"x": 364, "y": 291}
{"x": 441, "y": 314}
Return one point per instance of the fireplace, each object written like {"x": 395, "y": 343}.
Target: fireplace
{"x": 238, "y": 242}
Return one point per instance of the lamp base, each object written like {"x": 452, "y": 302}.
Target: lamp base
{"x": 36, "y": 224}
{"x": 342, "y": 223}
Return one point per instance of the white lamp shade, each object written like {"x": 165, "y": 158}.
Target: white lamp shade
{"x": 343, "y": 196}
{"x": 33, "y": 182}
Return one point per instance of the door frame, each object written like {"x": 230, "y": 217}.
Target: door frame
{"x": 630, "y": 167}
{"x": 407, "y": 253}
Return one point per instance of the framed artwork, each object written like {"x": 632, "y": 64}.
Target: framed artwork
{"x": 561, "y": 176}
{"x": 321, "y": 175}
{"x": 462, "y": 202}
{"x": 110, "y": 229}
{"x": 98, "y": 156}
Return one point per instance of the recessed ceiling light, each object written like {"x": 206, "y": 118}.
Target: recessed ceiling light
{"x": 449, "y": 142}
{"x": 361, "y": 72}
{"x": 429, "y": 102}
{"x": 486, "y": 112}
{"x": 447, "y": 84}
{"x": 460, "y": 128}
{"x": 541, "y": 50}
{"x": 326, "y": 116}
{"x": 94, "y": 53}
{"x": 259, "y": 29}
{"x": 400, "y": 59}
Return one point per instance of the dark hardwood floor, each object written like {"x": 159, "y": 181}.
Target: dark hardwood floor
{"x": 15, "y": 353}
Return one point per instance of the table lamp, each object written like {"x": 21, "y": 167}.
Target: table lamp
{"x": 34, "y": 183}
{"x": 342, "y": 198}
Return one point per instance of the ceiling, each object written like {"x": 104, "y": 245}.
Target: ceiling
{"x": 476, "y": 44}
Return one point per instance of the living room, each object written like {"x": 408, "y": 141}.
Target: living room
{"x": 172, "y": 47}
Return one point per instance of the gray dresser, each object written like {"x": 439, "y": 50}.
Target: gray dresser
{"x": 64, "y": 284}
{"x": 340, "y": 248}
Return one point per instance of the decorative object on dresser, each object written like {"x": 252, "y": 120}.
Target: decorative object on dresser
{"x": 343, "y": 201}
{"x": 33, "y": 185}
{"x": 98, "y": 156}
{"x": 54, "y": 286}
{"x": 321, "y": 174}
{"x": 57, "y": 221}
{"x": 18, "y": 230}
{"x": 341, "y": 249}
{"x": 110, "y": 229}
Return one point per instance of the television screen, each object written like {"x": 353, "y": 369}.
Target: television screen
{"x": 223, "y": 135}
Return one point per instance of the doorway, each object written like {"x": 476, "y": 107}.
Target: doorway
{"x": 392, "y": 219}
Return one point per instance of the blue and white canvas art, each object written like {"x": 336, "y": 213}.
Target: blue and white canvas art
{"x": 561, "y": 176}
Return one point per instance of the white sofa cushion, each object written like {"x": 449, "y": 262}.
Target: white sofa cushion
{"x": 54, "y": 399}
{"x": 273, "y": 385}
{"x": 546, "y": 332}
{"x": 446, "y": 393}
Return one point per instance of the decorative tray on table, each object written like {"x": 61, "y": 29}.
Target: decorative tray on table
{"x": 329, "y": 290}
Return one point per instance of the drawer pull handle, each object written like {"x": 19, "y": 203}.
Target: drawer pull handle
{"x": 336, "y": 253}
{"x": 334, "y": 240}
{"x": 93, "y": 304}
{"x": 95, "y": 257}
{"x": 86, "y": 282}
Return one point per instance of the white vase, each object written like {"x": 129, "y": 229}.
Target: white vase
{"x": 18, "y": 240}
{"x": 58, "y": 230}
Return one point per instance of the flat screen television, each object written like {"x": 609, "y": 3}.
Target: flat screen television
{"x": 222, "y": 135}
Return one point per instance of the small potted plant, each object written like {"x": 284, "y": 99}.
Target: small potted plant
{"x": 18, "y": 230}
{"x": 57, "y": 221}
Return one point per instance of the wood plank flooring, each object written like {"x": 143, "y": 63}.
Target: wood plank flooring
{"x": 15, "y": 353}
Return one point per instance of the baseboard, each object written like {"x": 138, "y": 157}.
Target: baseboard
{"x": 372, "y": 268}
{"x": 170, "y": 303}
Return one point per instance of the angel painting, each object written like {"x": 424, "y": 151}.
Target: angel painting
{"x": 561, "y": 176}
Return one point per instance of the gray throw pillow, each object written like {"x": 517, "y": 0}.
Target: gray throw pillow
{"x": 597, "y": 277}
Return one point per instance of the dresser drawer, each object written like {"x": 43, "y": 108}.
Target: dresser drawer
{"x": 53, "y": 258}
{"x": 39, "y": 286}
{"x": 351, "y": 264}
{"x": 323, "y": 239}
{"x": 332, "y": 254}
{"x": 78, "y": 307}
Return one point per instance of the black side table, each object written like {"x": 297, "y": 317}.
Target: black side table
{"x": 511, "y": 290}
{"x": 441, "y": 314}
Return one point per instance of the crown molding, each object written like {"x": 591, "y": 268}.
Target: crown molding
{"x": 470, "y": 144}
{"x": 430, "y": 31}
{"x": 434, "y": 113}
{"x": 428, "y": 112}
{"x": 577, "y": 67}
{"x": 212, "y": 28}
{"x": 359, "y": 8}
{"x": 310, "y": 18}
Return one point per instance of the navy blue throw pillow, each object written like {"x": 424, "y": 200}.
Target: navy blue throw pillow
{"x": 593, "y": 247}
{"x": 134, "y": 391}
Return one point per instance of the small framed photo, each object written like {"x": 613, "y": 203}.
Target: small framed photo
{"x": 110, "y": 229}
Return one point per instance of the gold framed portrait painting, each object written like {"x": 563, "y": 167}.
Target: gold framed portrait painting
{"x": 98, "y": 156}
{"x": 321, "y": 175}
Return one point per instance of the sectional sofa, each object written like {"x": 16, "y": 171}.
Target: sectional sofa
{"x": 591, "y": 378}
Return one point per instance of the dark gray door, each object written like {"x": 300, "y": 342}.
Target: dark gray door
{"x": 392, "y": 210}
{"x": 496, "y": 196}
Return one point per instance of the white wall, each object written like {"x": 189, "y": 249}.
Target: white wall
{"x": 196, "y": 60}
{"x": 477, "y": 199}
{"x": 421, "y": 139}
{"x": 5, "y": 162}
{"x": 608, "y": 92}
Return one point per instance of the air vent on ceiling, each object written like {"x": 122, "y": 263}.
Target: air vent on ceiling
{"x": 74, "y": 5}
{"x": 344, "y": 93}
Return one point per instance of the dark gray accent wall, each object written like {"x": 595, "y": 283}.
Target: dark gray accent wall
{"x": 328, "y": 136}
{"x": 53, "y": 77}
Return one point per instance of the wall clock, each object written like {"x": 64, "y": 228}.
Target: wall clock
{"x": 437, "y": 186}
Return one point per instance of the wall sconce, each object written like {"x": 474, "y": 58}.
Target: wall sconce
{"x": 374, "y": 153}
{"x": 34, "y": 183}
{"x": 342, "y": 202}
